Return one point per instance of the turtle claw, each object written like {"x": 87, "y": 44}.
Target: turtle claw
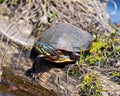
{"x": 35, "y": 76}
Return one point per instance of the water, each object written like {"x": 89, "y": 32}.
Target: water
{"x": 113, "y": 9}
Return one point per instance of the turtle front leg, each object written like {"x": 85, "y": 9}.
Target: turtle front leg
{"x": 75, "y": 56}
{"x": 36, "y": 64}
{"x": 36, "y": 67}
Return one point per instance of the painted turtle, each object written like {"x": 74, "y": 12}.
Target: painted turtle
{"x": 61, "y": 43}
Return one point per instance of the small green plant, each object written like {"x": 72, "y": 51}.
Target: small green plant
{"x": 96, "y": 52}
{"x": 2, "y": 1}
{"x": 75, "y": 72}
{"x": 81, "y": 61}
{"x": 26, "y": 49}
{"x": 15, "y": 2}
{"x": 102, "y": 49}
{"x": 91, "y": 85}
{"x": 53, "y": 16}
{"x": 117, "y": 49}
{"x": 116, "y": 73}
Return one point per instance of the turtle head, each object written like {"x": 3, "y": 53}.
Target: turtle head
{"x": 44, "y": 49}
{"x": 39, "y": 48}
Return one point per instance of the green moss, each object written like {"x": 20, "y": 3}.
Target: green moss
{"x": 2, "y": 1}
{"x": 102, "y": 49}
{"x": 91, "y": 85}
{"x": 115, "y": 73}
{"x": 118, "y": 49}
{"x": 96, "y": 52}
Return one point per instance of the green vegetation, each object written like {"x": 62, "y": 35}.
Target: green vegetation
{"x": 115, "y": 73}
{"x": 26, "y": 48}
{"x": 53, "y": 16}
{"x": 76, "y": 72}
{"x": 15, "y": 2}
{"x": 2, "y": 1}
{"x": 96, "y": 52}
{"x": 102, "y": 50}
{"x": 91, "y": 85}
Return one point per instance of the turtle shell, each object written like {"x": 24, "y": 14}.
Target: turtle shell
{"x": 67, "y": 37}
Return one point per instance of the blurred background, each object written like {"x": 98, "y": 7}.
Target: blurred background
{"x": 113, "y": 9}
